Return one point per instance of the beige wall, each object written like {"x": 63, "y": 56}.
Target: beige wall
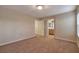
{"x": 39, "y": 27}
{"x": 15, "y": 26}
{"x": 65, "y": 26}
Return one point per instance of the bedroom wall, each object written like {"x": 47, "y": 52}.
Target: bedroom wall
{"x": 78, "y": 26}
{"x": 65, "y": 27}
{"x": 15, "y": 26}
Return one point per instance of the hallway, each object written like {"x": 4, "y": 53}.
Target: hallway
{"x": 40, "y": 44}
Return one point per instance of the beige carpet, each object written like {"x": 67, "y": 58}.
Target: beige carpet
{"x": 40, "y": 44}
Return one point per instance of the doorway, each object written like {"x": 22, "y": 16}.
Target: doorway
{"x": 51, "y": 28}
{"x": 39, "y": 27}
{"x": 45, "y": 28}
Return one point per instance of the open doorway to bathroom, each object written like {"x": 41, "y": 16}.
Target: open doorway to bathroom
{"x": 51, "y": 28}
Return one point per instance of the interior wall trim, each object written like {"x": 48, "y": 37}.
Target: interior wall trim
{"x": 10, "y": 42}
{"x": 60, "y": 38}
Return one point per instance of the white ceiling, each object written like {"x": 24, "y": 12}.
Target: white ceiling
{"x": 49, "y": 10}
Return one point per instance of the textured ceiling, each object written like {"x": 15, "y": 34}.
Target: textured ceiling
{"x": 49, "y": 10}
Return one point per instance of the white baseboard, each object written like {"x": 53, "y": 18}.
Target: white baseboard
{"x": 9, "y": 42}
{"x": 64, "y": 39}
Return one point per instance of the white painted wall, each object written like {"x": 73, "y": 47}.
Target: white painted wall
{"x": 39, "y": 27}
{"x": 78, "y": 21}
{"x": 15, "y": 26}
{"x": 78, "y": 26}
{"x": 65, "y": 27}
